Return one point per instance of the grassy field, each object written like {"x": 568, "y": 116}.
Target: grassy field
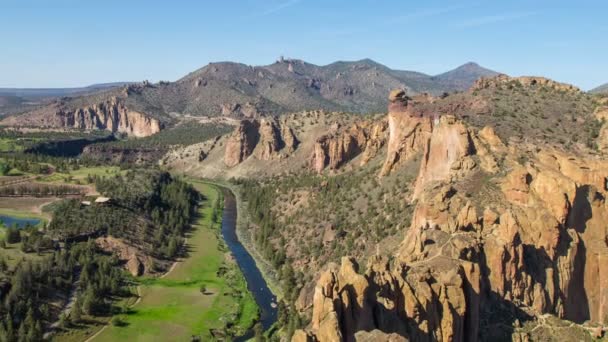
{"x": 174, "y": 308}
{"x": 10, "y": 145}
{"x": 80, "y": 176}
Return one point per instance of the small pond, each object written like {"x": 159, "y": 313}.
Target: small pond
{"x": 20, "y": 222}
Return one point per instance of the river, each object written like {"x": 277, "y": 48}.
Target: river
{"x": 265, "y": 299}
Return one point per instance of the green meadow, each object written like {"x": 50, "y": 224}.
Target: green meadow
{"x": 203, "y": 292}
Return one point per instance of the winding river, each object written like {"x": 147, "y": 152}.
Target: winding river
{"x": 265, "y": 299}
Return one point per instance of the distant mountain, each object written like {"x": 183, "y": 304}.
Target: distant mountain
{"x": 57, "y": 92}
{"x": 240, "y": 90}
{"x": 289, "y": 85}
{"x": 464, "y": 76}
{"x": 603, "y": 89}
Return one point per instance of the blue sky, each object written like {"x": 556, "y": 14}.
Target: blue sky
{"x": 60, "y": 43}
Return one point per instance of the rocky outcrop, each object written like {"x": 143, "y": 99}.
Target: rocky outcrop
{"x": 445, "y": 153}
{"x": 601, "y": 114}
{"x": 136, "y": 262}
{"x": 263, "y": 138}
{"x": 524, "y": 81}
{"x": 409, "y": 129}
{"x": 247, "y": 110}
{"x": 111, "y": 115}
{"x": 392, "y": 302}
{"x": 274, "y": 138}
{"x": 241, "y": 143}
{"x": 335, "y": 149}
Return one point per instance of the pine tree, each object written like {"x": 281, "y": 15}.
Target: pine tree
{"x": 76, "y": 313}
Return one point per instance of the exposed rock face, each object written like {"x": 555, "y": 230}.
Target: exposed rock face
{"x": 137, "y": 263}
{"x": 248, "y": 110}
{"x": 446, "y": 151}
{"x": 335, "y": 149}
{"x": 241, "y": 143}
{"x": 274, "y": 138}
{"x": 422, "y": 304}
{"x": 263, "y": 138}
{"x": 601, "y": 114}
{"x": 409, "y": 130}
{"x": 111, "y": 115}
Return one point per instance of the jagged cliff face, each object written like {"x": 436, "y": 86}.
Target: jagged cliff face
{"x": 111, "y": 115}
{"x": 336, "y": 148}
{"x": 409, "y": 130}
{"x": 264, "y": 138}
{"x": 514, "y": 227}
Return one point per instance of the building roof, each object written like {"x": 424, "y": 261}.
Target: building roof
{"x": 102, "y": 199}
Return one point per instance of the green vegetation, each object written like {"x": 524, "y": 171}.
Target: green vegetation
{"x": 187, "y": 133}
{"x": 310, "y": 219}
{"x": 175, "y": 308}
{"x": 536, "y": 112}
{"x": 16, "y": 141}
{"x": 34, "y": 284}
{"x": 150, "y": 209}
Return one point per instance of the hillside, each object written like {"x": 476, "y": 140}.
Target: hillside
{"x": 603, "y": 89}
{"x": 239, "y": 90}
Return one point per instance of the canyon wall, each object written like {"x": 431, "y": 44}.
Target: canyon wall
{"x": 497, "y": 237}
{"x": 111, "y": 115}
{"x": 266, "y": 139}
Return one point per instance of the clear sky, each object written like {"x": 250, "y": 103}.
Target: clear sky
{"x": 62, "y": 43}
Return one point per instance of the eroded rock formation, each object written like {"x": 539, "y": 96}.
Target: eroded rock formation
{"x": 136, "y": 261}
{"x": 111, "y": 115}
{"x": 263, "y": 138}
{"x": 241, "y": 143}
{"x": 409, "y": 129}
{"x": 335, "y": 149}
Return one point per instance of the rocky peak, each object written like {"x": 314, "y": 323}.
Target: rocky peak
{"x": 409, "y": 128}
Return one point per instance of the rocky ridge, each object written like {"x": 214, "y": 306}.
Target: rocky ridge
{"x": 525, "y": 81}
{"x": 490, "y": 231}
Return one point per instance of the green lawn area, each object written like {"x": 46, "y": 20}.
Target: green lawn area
{"x": 80, "y": 175}
{"x": 10, "y": 145}
{"x": 173, "y": 308}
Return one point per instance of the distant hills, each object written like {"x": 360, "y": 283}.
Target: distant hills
{"x": 603, "y": 89}
{"x": 57, "y": 92}
{"x": 239, "y": 90}
{"x": 293, "y": 85}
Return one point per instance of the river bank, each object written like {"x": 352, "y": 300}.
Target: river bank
{"x": 244, "y": 236}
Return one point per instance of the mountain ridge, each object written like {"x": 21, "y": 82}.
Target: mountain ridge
{"x": 603, "y": 89}
{"x": 239, "y": 90}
